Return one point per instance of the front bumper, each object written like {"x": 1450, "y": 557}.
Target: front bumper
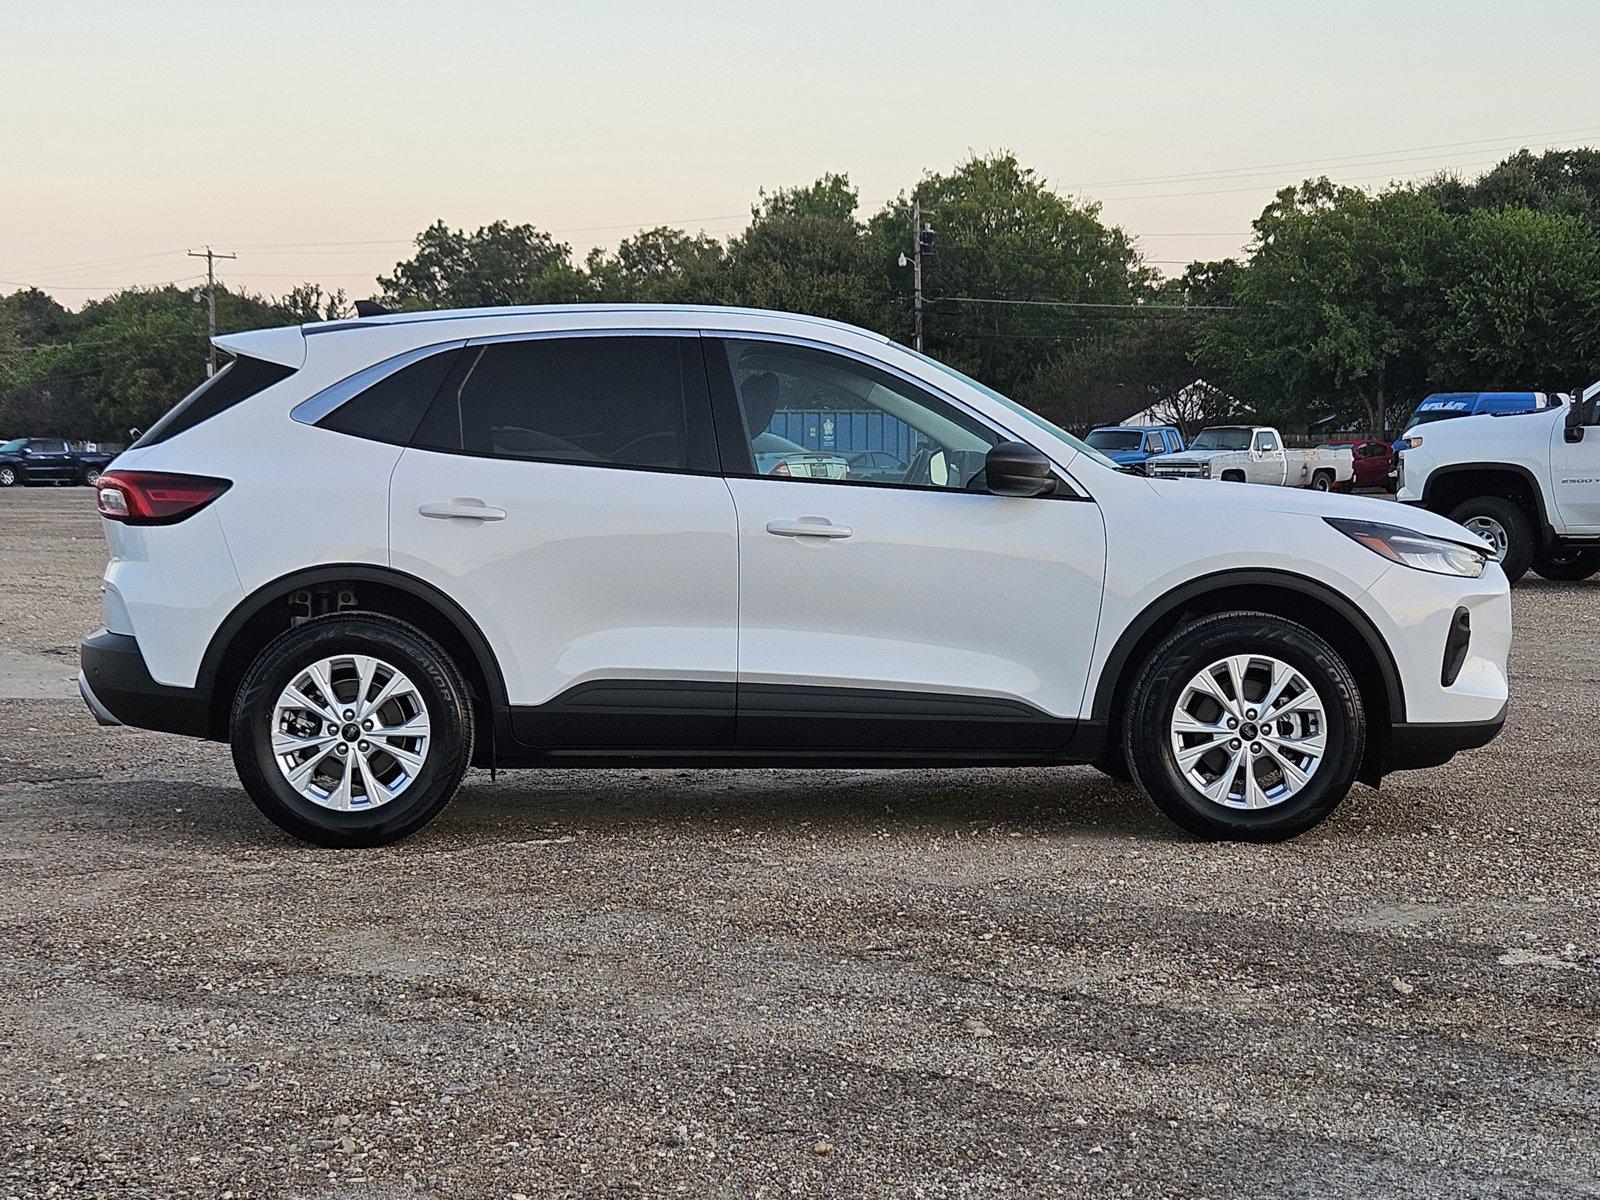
{"x": 116, "y": 685}
{"x": 1415, "y": 745}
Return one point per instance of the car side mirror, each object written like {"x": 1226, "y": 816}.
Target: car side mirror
{"x": 1017, "y": 469}
{"x": 1574, "y": 423}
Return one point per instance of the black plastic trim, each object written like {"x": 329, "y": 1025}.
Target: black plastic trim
{"x": 1429, "y": 744}
{"x": 115, "y": 669}
{"x": 1456, "y": 643}
{"x": 1546, "y": 529}
{"x": 683, "y": 720}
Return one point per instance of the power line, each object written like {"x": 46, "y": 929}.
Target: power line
{"x": 1197, "y": 176}
{"x": 1087, "y": 304}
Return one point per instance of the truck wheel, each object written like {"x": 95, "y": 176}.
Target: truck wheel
{"x": 90, "y": 476}
{"x": 1233, "y": 477}
{"x": 8, "y": 477}
{"x": 1244, "y": 726}
{"x": 352, "y": 730}
{"x": 1322, "y": 481}
{"x": 1504, "y": 526}
{"x": 1566, "y": 566}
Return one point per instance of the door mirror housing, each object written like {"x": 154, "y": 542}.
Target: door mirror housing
{"x": 1017, "y": 469}
{"x": 1576, "y": 410}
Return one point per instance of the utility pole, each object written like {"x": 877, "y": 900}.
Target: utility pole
{"x": 916, "y": 269}
{"x": 211, "y": 256}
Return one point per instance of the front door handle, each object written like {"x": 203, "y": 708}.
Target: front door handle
{"x": 464, "y": 507}
{"x": 817, "y": 527}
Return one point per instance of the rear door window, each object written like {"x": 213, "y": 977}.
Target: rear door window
{"x": 606, "y": 401}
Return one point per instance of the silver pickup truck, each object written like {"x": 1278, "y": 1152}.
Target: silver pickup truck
{"x": 1255, "y": 454}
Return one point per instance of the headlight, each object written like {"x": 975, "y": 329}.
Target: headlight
{"x": 1205, "y": 469}
{"x": 1410, "y": 443}
{"x": 1413, "y": 549}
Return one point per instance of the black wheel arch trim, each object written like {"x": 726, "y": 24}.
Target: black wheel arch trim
{"x": 1546, "y": 529}
{"x": 1113, "y": 673}
{"x": 281, "y": 588}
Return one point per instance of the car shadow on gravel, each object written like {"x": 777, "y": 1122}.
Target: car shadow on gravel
{"x": 524, "y": 805}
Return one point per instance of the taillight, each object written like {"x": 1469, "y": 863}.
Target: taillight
{"x": 153, "y": 497}
{"x": 781, "y": 469}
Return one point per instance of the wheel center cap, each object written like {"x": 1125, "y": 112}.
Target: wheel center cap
{"x": 351, "y": 732}
{"x": 1248, "y": 731}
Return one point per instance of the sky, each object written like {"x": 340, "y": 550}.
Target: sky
{"x": 315, "y": 140}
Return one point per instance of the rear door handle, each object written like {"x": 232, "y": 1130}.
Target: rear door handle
{"x": 463, "y": 507}
{"x": 817, "y": 527}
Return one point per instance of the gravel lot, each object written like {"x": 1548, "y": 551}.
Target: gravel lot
{"x": 762, "y": 983}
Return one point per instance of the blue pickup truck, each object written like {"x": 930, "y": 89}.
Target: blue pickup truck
{"x": 1135, "y": 445}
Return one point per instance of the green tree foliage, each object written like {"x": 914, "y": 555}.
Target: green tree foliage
{"x": 659, "y": 266}
{"x": 1332, "y": 308}
{"x": 1561, "y": 182}
{"x": 1002, "y": 236}
{"x": 1521, "y": 296}
{"x": 496, "y": 264}
{"x": 804, "y": 251}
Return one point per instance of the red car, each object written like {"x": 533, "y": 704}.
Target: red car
{"x": 1374, "y": 462}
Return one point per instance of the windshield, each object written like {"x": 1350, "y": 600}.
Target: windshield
{"x": 1222, "y": 439}
{"x": 1033, "y": 418}
{"x": 12, "y": 446}
{"x": 1115, "y": 439}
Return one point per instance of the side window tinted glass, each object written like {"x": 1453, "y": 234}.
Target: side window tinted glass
{"x": 810, "y": 414}
{"x": 618, "y": 401}
{"x": 390, "y": 409}
{"x": 235, "y": 383}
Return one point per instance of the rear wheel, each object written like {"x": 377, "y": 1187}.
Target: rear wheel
{"x": 352, "y": 730}
{"x": 1322, "y": 481}
{"x": 1566, "y": 566}
{"x": 1244, "y": 727}
{"x": 1504, "y": 526}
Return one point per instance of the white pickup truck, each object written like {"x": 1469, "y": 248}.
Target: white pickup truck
{"x": 1526, "y": 482}
{"x": 1255, "y": 454}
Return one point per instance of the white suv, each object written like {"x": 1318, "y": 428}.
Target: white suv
{"x": 372, "y": 552}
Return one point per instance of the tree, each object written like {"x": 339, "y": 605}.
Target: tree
{"x": 659, "y": 266}
{"x": 1331, "y": 311}
{"x": 497, "y": 264}
{"x": 307, "y": 303}
{"x": 1521, "y": 300}
{"x": 1559, "y": 182}
{"x": 1012, "y": 264}
{"x": 804, "y": 251}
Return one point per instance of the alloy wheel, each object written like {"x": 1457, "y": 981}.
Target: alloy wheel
{"x": 1491, "y": 531}
{"x": 1249, "y": 732}
{"x": 350, "y": 732}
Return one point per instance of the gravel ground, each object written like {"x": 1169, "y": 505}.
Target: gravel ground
{"x": 763, "y": 983}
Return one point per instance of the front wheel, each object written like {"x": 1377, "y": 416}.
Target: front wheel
{"x": 352, "y": 730}
{"x": 89, "y": 476}
{"x": 1504, "y": 526}
{"x": 8, "y": 476}
{"x": 1245, "y": 727}
{"x": 1566, "y": 566}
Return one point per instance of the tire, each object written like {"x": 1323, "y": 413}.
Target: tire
{"x": 1233, "y": 477}
{"x": 1487, "y": 515}
{"x": 8, "y": 476}
{"x": 1567, "y": 566}
{"x": 1164, "y": 682}
{"x": 1322, "y": 481}
{"x": 435, "y": 686}
{"x": 89, "y": 476}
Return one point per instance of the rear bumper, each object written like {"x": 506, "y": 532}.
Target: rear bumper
{"x": 115, "y": 683}
{"x": 1428, "y": 744}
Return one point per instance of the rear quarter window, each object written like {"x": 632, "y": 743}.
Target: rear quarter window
{"x": 235, "y": 383}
